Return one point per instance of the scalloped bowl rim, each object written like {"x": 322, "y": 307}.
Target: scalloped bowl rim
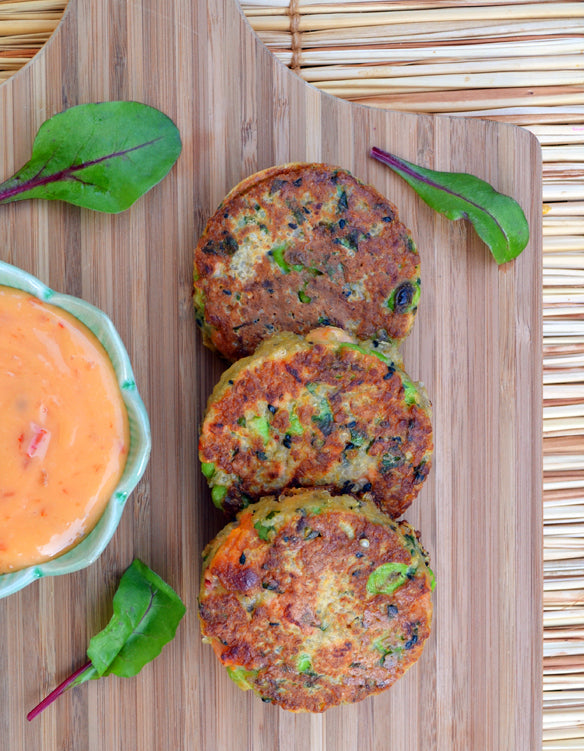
{"x": 91, "y": 547}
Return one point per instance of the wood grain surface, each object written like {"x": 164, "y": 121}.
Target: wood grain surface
{"x": 476, "y": 345}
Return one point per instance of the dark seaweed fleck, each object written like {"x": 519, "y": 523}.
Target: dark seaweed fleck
{"x": 390, "y": 461}
{"x": 273, "y": 623}
{"x": 325, "y": 423}
{"x": 272, "y": 409}
{"x": 226, "y": 292}
{"x": 292, "y": 225}
{"x": 247, "y": 323}
{"x": 392, "y": 611}
{"x": 366, "y": 488}
{"x": 324, "y": 321}
{"x": 226, "y": 247}
{"x": 352, "y": 424}
{"x": 359, "y": 554}
{"x": 342, "y": 223}
{"x": 347, "y": 486}
{"x": 312, "y": 535}
{"x": 287, "y": 442}
{"x": 301, "y": 524}
{"x": 420, "y": 473}
{"x": 349, "y": 446}
{"x": 230, "y": 382}
{"x": 276, "y": 185}
{"x": 242, "y": 558}
{"x": 297, "y": 183}
{"x": 296, "y": 212}
{"x": 389, "y": 218}
{"x": 294, "y": 373}
{"x": 350, "y": 241}
{"x": 390, "y": 372}
{"x": 343, "y": 203}
{"x": 404, "y": 295}
{"x": 261, "y": 455}
{"x": 353, "y": 239}
{"x": 409, "y": 644}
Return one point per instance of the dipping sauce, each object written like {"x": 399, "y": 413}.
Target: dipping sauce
{"x": 64, "y": 433}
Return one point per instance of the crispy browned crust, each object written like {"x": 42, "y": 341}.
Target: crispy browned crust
{"x": 293, "y": 615}
{"x": 346, "y": 254}
{"x": 359, "y": 433}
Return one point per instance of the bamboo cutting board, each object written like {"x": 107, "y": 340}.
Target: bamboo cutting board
{"x": 476, "y": 345}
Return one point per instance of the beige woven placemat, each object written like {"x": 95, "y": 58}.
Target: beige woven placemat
{"x": 25, "y": 26}
{"x": 519, "y": 61}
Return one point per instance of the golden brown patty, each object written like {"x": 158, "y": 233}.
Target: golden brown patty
{"x": 321, "y": 410}
{"x": 299, "y": 246}
{"x": 313, "y": 600}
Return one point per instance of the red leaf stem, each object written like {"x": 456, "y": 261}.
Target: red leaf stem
{"x": 61, "y": 688}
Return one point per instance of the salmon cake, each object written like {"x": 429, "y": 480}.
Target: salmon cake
{"x": 303, "y": 245}
{"x": 313, "y": 600}
{"x": 322, "y": 410}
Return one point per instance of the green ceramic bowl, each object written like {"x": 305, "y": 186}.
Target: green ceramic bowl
{"x": 90, "y": 547}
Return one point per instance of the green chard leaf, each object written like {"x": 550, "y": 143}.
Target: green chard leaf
{"x": 99, "y": 156}
{"x": 146, "y": 614}
{"x": 498, "y": 219}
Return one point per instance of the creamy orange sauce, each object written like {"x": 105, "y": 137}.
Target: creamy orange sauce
{"x": 64, "y": 432}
